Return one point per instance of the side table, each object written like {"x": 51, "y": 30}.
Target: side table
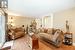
{"x": 68, "y": 39}
{"x": 35, "y": 44}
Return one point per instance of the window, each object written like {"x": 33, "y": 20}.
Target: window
{"x": 47, "y": 21}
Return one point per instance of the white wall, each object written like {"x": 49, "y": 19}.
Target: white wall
{"x": 47, "y": 21}
{"x": 60, "y": 18}
{"x": 18, "y": 21}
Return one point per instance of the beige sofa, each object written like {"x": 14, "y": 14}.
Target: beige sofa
{"x": 52, "y": 36}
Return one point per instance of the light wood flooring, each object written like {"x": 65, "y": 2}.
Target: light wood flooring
{"x": 21, "y": 44}
{"x": 45, "y": 46}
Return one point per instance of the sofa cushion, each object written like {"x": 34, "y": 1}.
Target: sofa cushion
{"x": 45, "y": 30}
{"x": 51, "y": 31}
{"x": 48, "y": 36}
{"x": 18, "y": 29}
{"x": 56, "y": 34}
{"x": 19, "y": 34}
{"x": 16, "y": 33}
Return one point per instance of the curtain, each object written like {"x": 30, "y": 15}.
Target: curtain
{"x": 2, "y": 29}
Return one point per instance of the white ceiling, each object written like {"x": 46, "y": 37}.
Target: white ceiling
{"x": 38, "y": 8}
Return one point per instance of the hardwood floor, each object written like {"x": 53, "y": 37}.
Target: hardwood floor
{"x": 45, "y": 46}
{"x": 21, "y": 44}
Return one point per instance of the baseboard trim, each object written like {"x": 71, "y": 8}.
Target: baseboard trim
{"x": 73, "y": 44}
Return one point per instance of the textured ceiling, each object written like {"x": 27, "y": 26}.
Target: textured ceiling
{"x": 38, "y": 8}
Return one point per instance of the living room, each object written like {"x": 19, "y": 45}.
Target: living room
{"x": 48, "y": 22}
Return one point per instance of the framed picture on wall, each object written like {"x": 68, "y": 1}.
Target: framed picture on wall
{"x": 3, "y": 3}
